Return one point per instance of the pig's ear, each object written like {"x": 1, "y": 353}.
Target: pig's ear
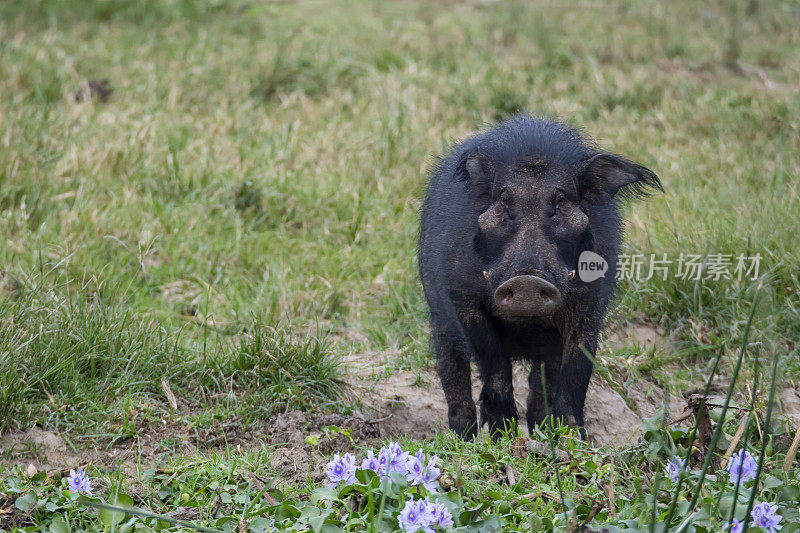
{"x": 473, "y": 168}
{"x": 603, "y": 176}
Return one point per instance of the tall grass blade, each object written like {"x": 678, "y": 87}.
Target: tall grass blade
{"x": 767, "y": 421}
{"x": 673, "y": 506}
{"x": 147, "y": 514}
{"x": 718, "y": 430}
{"x": 750, "y": 416}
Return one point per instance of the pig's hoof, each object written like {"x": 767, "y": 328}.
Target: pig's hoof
{"x": 467, "y": 429}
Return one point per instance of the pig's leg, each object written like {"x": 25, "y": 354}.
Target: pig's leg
{"x": 452, "y": 364}
{"x": 497, "y": 396}
{"x": 574, "y": 375}
{"x": 536, "y": 405}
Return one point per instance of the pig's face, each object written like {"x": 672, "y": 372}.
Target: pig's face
{"x": 533, "y": 230}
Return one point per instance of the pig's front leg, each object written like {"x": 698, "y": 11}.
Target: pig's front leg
{"x": 494, "y": 364}
{"x": 575, "y": 374}
{"x": 452, "y": 365}
{"x": 497, "y": 397}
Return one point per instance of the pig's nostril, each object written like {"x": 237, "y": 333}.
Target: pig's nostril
{"x": 507, "y": 297}
{"x": 544, "y": 295}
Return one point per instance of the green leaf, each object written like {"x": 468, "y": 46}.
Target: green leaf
{"x": 286, "y": 510}
{"x": 502, "y": 506}
{"x": 323, "y": 494}
{"x": 59, "y": 525}
{"x": 490, "y": 524}
{"x": 260, "y": 524}
{"x": 365, "y": 476}
{"x": 494, "y": 494}
{"x": 789, "y": 493}
{"x": 317, "y": 522}
{"x": 111, "y": 518}
{"x": 276, "y": 494}
{"x": 309, "y": 511}
{"x": 488, "y": 457}
{"x": 221, "y": 523}
{"x": 398, "y": 479}
{"x": 26, "y": 502}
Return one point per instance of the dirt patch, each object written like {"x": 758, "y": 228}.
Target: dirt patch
{"x": 305, "y": 442}
{"x": 297, "y": 443}
{"x": 643, "y": 334}
{"x": 413, "y": 404}
{"x": 43, "y": 449}
{"x": 38, "y": 449}
{"x": 790, "y": 401}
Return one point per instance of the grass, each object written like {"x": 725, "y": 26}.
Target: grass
{"x": 499, "y": 482}
{"x": 243, "y": 210}
{"x": 86, "y": 365}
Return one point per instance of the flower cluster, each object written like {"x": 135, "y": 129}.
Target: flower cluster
{"x": 417, "y": 468}
{"x": 734, "y": 527}
{"x": 674, "y": 467}
{"x": 742, "y": 468}
{"x": 341, "y": 468}
{"x": 79, "y": 482}
{"x": 765, "y": 516}
{"x": 424, "y": 515}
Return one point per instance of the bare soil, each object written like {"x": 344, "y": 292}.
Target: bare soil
{"x": 414, "y": 404}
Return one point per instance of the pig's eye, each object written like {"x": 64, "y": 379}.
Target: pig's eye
{"x": 560, "y": 199}
{"x": 503, "y": 200}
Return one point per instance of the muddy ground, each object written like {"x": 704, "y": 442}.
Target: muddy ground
{"x": 392, "y": 403}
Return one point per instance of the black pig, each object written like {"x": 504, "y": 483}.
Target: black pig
{"x": 506, "y": 216}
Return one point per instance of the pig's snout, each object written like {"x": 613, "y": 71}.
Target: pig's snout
{"x": 527, "y": 296}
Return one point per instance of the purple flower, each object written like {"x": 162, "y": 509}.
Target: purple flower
{"x": 370, "y": 462}
{"x": 674, "y": 467}
{"x": 79, "y": 482}
{"x": 416, "y": 516}
{"x": 766, "y": 516}
{"x": 430, "y": 475}
{"x": 742, "y": 466}
{"x": 398, "y": 459}
{"x": 415, "y": 468}
{"x": 422, "y": 471}
{"x": 384, "y": 460}
{"x": 440, "y": 516}
{"x": 735, "y": 527}
{"x": 341, "y": 469}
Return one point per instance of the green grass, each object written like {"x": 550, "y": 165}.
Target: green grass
{"x": 244, "y": 208}
{"x": 85, "y": 366}
{"x": 489, "y": 482}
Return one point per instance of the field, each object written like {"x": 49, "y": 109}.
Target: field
{"x": 208, "y": 282}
